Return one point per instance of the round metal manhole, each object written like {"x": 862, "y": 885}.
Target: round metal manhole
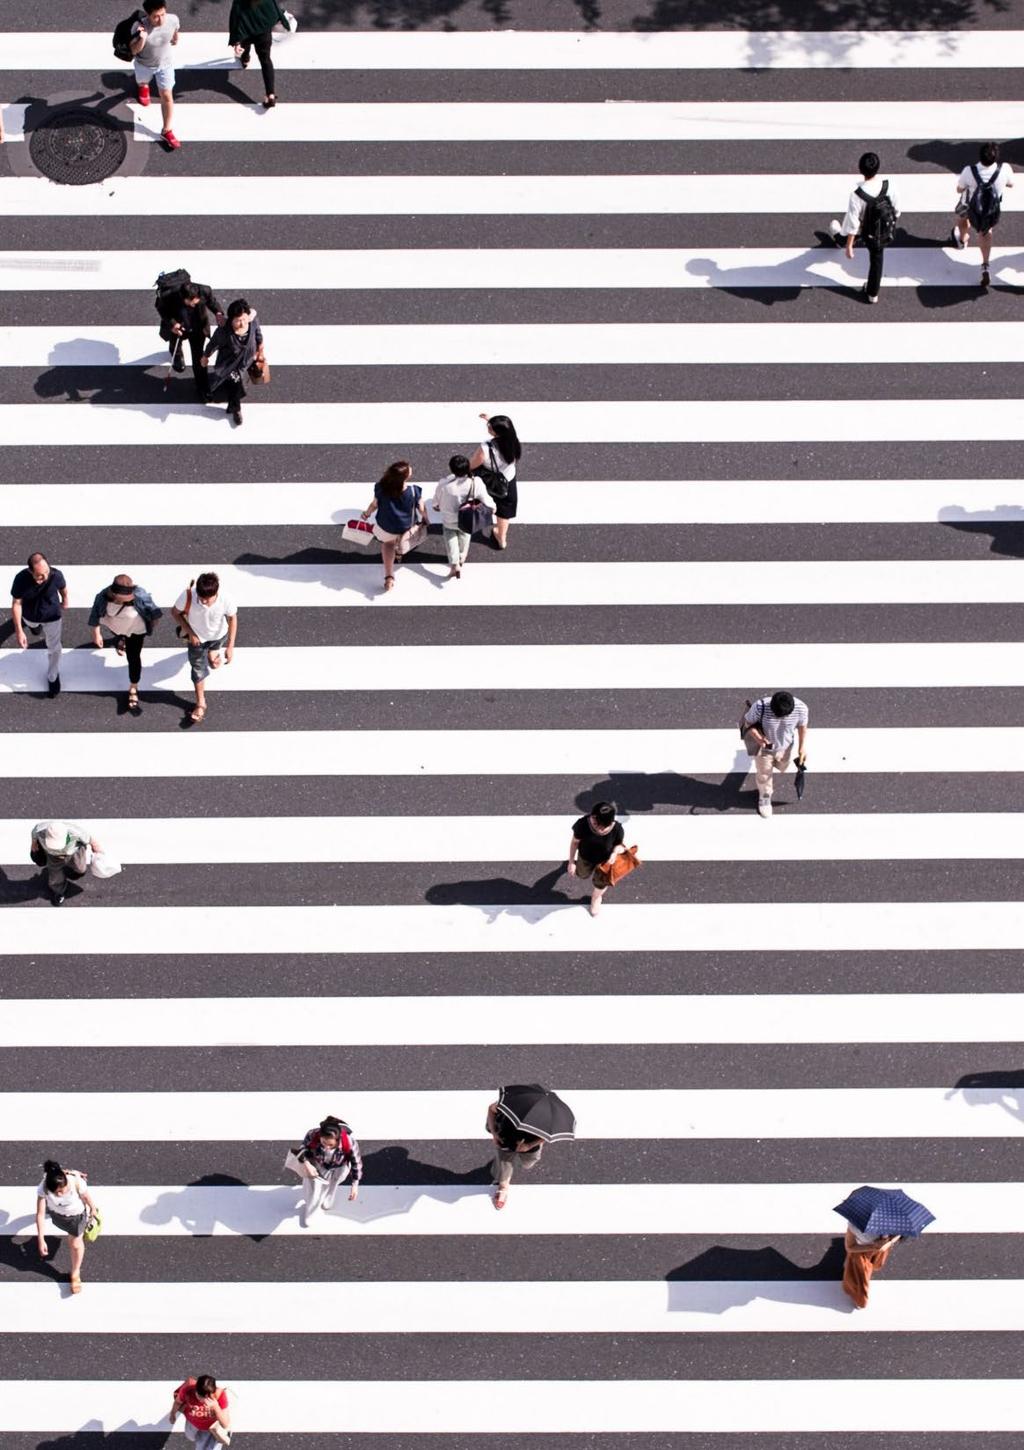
{"x": 77, "y": 148}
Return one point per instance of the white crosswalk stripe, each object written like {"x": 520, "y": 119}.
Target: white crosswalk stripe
{"x": 329, "y": 897}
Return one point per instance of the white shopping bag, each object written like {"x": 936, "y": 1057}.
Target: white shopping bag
{"x": 358, "y": 531}
{"x": 103, "y": 865}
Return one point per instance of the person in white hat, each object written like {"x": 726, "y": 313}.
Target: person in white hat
{"x": 64, "y": 850}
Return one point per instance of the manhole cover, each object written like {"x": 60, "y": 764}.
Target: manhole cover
{"x": 78, "y": 147}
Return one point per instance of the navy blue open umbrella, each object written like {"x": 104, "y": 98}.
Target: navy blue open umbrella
{"x": 880, "y": 1212}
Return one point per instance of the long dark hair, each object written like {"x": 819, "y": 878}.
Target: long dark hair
{"x": 54, "y": 1177}
{"x": 505, "y": 438}
{"x": 395, "y": 477}
{"x": 205, "y": 1385}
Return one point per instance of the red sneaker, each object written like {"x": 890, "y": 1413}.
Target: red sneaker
{"x": 171, "y": 141}
{"x": 143, "y": 95}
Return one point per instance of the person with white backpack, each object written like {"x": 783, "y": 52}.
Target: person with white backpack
{"x": 205, "y": 1407}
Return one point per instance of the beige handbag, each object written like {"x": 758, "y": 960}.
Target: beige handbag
{"x": 301, "y": 1167}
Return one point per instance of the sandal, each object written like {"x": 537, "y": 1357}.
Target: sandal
{"x": 198, "y": 714}
{"x": 75, "y": 1280}
{"x": 389, "y": 582}
{"x": 122, "y": 644}
{"x": 133, "y": 700}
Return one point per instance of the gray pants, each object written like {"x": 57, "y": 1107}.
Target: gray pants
{"x": 456, "y": 545}
{"x": 59, "y": 869}
{"x": 506, "y": 1159}
{"x": 50, "y": 630}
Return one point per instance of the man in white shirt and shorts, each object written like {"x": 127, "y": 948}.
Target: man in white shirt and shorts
{"x": 209, "y": 621}
{"x": 152, "y": 39}
{"x": 981, "y": 188}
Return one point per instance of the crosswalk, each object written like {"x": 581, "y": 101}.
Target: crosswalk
{"x": 341, "y": 893}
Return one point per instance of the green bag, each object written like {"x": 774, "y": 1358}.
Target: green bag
{"x": 93, "y": 1228}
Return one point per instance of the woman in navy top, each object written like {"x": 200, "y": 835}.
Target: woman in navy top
{"x": 397, "y": 504}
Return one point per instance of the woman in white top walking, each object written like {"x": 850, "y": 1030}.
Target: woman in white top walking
{"x": 63, "y": 1195}
{"x": 498, "y": 456}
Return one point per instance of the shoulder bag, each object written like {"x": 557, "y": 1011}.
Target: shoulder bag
{"x": 475, "y": 516}
{"x": 493, "y": 479}
{"x": 417, "y": 531}
{"x": 183, "y": 633}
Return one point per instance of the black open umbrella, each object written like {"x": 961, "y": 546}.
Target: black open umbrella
{"x": 536, "y": 1112}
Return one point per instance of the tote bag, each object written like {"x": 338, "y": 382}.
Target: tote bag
{"x": 358, "y": 531}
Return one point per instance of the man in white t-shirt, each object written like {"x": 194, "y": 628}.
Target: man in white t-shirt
{"x": 981, "y": 189}
{"x": 151, "y": 43}
{"x": 209, "y": 621}
{"x": 864, "y": 220}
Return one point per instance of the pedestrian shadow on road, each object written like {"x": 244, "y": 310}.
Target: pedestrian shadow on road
{"x": 368, "y": 585}
{"x": 634, "y": 793}
{"x": 765, "y": 1263}
{"x": 1006, "y": 529}
{"x": 21, "y": 888}
{"x": 105, "y": 379}
{"x": 199, "y": 1208}
{"x": 501, "y": 892}
{"x": 766, "y": 285}
{"x": 23, "y": 1256}
{"x": 129, "y": 1436}
{"x": 996, "y": 1088}
{"x": 717, "y": 1280}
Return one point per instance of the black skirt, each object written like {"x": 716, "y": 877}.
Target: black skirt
{"x": 506, "y": 508}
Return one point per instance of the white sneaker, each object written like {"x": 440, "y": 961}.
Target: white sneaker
{"x": 764, "y": 806}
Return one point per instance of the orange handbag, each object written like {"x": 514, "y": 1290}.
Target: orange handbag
{"x": 611, "y": 872}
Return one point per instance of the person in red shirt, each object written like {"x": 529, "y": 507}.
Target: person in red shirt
{"x": 205, "y": 1407}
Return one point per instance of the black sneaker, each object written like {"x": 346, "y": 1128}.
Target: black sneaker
{"x": 56, "y": 898}
{"x": 55, "y": 687}
{"x": 236, "y": 416}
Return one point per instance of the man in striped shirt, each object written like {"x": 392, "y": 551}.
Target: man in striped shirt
{"x": 769, "y": 728}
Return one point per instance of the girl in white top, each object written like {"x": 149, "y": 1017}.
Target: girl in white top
{"x": 63, "y": 1195}
{"x": 449, "y": 496}
{"x": 500, "y": 451}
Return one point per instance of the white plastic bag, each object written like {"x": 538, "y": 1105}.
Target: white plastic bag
{"x": 103, "y": 865}
{"x": 289, "y": 22}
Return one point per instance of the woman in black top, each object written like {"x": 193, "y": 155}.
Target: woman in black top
{"x": 251, "y": 24}
{"x": 238, "y": 344}
{"x": 595, "y": 840}
{"x": 500, "y": 453}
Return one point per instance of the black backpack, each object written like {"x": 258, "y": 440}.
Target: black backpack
{"x": 122, "y": 37}
{"x": 878, "y": 226}
{"x": 984, "y": 207}
{"x": 168, "y": 284}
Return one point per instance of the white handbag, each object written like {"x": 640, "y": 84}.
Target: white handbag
{"x": 301, "y": 1167}
{"x": 358, "y": 531}
{"x": 289, "y": 22}
{"x": 103, "y": 865}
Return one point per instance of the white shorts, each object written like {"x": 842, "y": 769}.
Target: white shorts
{"x": 164, "y": 75}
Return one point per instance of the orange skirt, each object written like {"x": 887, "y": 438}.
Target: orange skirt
{"x": 860, "y": 1264}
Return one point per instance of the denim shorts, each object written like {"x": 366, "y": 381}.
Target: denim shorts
{"x": 199, "y": 657}
{"x": 164, "y": 75}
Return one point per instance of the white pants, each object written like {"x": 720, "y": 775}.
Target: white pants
{"x": 319, "y": 1192}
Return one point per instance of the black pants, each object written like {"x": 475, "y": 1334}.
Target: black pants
{"x": 876, "y": 264}
{"x": 196, "y": 342}
{"x": 261, "y": 44}
{"x": 228, "y": 392}
{"x": 133, "y": 654}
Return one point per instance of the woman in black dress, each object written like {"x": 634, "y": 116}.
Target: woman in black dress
{"x": 498, "y": 456}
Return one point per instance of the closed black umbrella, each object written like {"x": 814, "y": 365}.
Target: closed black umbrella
{"x": 537, "y": 1113}
{"x": 801, "y": 778}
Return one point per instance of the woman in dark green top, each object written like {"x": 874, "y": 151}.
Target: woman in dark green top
{"x": 251, "y": 24}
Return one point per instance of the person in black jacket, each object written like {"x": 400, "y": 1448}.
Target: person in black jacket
{"x": 250, "y": 26}
{"x": 236, "y": 347}
{"x": 185, "y": 314}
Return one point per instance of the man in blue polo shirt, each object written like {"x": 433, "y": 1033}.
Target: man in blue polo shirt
{"x": 39, "y": 596}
